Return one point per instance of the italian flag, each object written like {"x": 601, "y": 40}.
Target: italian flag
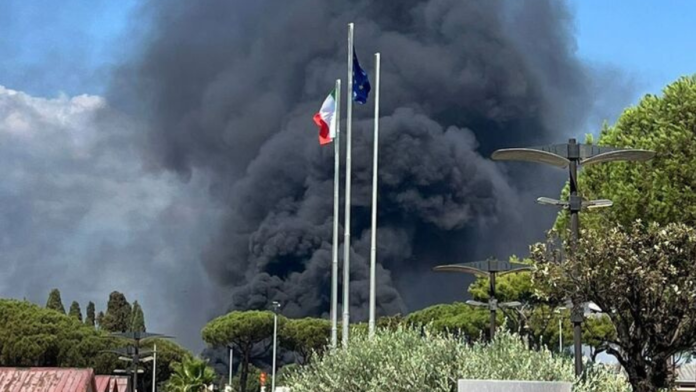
{"x": 326, "y": 119}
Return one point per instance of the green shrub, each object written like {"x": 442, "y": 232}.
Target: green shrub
{"x": 405, "y": 360}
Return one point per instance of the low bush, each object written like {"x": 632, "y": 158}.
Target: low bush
{"x": 406, "y": 360}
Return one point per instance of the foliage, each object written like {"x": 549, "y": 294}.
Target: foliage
{"x": 253, "y": 382}
{"x": 408, "y": 360}
{"x": 661, "y": 190}
{"x": 538, "y": 318}
{"x": 75, "y": 311}
{"x": 458, "y": 318}
{"x": 508, "y": 287}
{"x": 100, "y": 319}
{"x": 190, "y": 375}
{"x": 644, "y": 278}
{"x": 33, "y": 336}
{"x": 118, "y": 314}
{"x": 90, "y": 319}
{"x": 390, "y": 322}
{"x": 305, "y": 336}
{"x": 243, "y": 330}
{"x": 55, "y": 302}
{"x": 137, "y": 318}
{"x": 168, "y": 352}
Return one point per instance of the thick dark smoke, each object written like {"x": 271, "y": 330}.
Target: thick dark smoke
{"x": 230, "y": 87}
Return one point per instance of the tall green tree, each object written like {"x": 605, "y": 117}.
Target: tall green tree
{"x": 644, "y": 278}
{"x": 55, "y": 302}
{"x": 34, "y": 336}
{"x": 661, "y": 190}
{"x": 75, "y": 310}
{"x": 100, "y": 319}
{"x": 91, "y": 318}
{"x": 306, "y": 337}
{"x": 118, "y": 314}
{"x": 457, "y": 318}
{"x": 243, "y": 330}
{"x": 137, "y": 318}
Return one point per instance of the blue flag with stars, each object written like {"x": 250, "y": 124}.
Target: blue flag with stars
{"x": 361, "y": 84}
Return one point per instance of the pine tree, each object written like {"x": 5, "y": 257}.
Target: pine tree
{"x": 138, "y": 318}
{"x": 55, "y": 302}
{"x": 100, "y": 319}
{"x": 75, "y": 311}
{"x": 90, "y": 320}
{"x": 118, "y": 314}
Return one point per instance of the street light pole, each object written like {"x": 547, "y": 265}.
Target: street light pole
{"x": 559, "y": 312}
{"x": 577, "y": 316}
{"x": 276, "y": 306}
{"x": 571, "y": 155}
{"x": 136, "y": 359}
{"x": 489, "y": 268}
{"x": 493, "y": 302}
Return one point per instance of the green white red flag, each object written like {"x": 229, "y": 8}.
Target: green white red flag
{"x": 326, "y": 119}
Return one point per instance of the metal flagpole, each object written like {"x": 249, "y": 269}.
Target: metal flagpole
{"x": 373, "y": 241}
{"x": 154, "y": 370}
{"x": 336, "y": 217}
{"x": 346, "y": 241}
{"x": 229, "y": 379}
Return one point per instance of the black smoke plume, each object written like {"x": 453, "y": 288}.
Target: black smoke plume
{"x": 229, "y": 88}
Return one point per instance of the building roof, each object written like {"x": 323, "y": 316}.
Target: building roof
{"x": 121, "y": 383}
{"x": 47, "y": 380}
{"x": 104, "y": 383}
{"x": 686, "y": 373}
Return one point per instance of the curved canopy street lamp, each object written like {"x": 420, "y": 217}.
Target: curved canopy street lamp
{"x": 571, "y": 155}
{"x": 490, "y": 268}
{"x": 133, "y": 353}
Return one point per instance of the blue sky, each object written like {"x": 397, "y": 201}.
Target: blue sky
{"x": 652, "y": 42}
{"x": 46, "y": 49}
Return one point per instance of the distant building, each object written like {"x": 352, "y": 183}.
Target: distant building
{"x": 685, "y": 379}
{"x": 59, "y": 380}
{"x": 111, "y": 383}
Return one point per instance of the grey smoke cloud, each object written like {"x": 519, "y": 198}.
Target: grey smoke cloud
{"x": 79, "y": 213}
{"x": 229, "y": 88}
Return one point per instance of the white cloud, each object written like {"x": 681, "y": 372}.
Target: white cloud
{"x": 79, "y": 212}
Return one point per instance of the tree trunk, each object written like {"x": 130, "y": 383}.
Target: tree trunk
{"x": 245, "y": 370}
{"x": 648, "y": 376}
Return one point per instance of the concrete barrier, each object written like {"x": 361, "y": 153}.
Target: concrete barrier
{"x": 512, "y": 386}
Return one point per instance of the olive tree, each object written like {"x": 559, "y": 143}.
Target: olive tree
{"x": 644, "y": 278}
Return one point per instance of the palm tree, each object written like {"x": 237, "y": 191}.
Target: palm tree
{"x": 191, "y": 375}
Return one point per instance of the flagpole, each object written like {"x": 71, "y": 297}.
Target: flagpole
{"x": 334, "y": 250}
{"x": 346, "y": 241}
{"x": 154, "y": 370}
{"x": 373, "y": 231}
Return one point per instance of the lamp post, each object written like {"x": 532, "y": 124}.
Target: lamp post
{"x": 572, "y": 155}
{"x": 276, "y": 307}
{"x": 560, "y": 328}
{"x": 132, "y": 353}
{"x": 490, "y": 268}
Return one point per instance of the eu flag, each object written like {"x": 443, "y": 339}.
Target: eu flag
{"x": 361, "y": 84}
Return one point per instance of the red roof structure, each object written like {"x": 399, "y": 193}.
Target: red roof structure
{"x": 121, "y": 383}
{"x": 47, "y": 380}
{"x": 104, "y": 383}
{"x": 110, "y": 383}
